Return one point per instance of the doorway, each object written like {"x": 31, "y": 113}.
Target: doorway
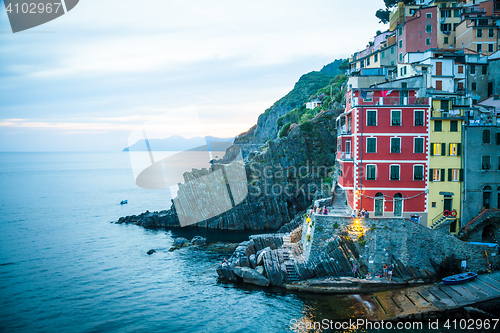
{"x": 379, "y": 204}
{"x": 398, "y": 204}
{"x": 448, "y": 204}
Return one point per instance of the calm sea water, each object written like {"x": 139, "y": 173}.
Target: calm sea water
{"x": 64, "y": 267}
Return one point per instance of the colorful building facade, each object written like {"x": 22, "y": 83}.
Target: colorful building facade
{"x": 382, "y": 149}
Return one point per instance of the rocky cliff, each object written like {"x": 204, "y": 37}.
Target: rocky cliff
{"x": 283, "y": 177}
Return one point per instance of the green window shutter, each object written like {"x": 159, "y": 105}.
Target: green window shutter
{"x": 449, "y": 174}
{"x": 498, "y": 138}
{"x": 442, "y": 174}
{"x": 431, "y": 174}
{"x": 459, "y": 148}
{"x": 432, "y": 149}
{"x": 461, "y": 175}
{"x": 443, "y": 149}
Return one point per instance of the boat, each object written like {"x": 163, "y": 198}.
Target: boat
{"x": 459, "y": 278}
{"x": 124, "y": 202}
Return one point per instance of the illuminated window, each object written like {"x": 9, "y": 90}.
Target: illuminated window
{"x": 438, "y": 149}
{"x": 454, "y": 175}
{"x": 437, "y": 174}
{"x": 454, "y": 149}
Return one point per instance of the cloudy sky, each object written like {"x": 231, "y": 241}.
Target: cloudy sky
{"x": 86, "y": 80}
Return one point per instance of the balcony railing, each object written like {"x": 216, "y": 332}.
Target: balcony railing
{"x": 390, "y": 101}
{"x": 345, "y": 155}
{"x": 446, "y": 114}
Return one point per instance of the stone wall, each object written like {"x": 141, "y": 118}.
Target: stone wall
{"x": 415, "y": 251}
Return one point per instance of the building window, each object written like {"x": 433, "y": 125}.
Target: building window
{"x": 460, "y": 69}
{"x": 491, "y": 33}
{"x": 438, "y": 149}
{"x": 472, "y": 69}
{"x": 479, "y": 47}
{"x": 368, "y": 61}
{"x": 498, "y": 138}
{"x": 395, "y": 145}
{"x": 445, "y": 105}
{"x": 371, "y": 145}
{"x": 375, "y": 57}
{"x": 395, "y": 117}
{"x": 428, "y": 15}
{"x": 486, "y": 196}
{"x": 453, "y": 126}
{"x": 418, "y": 145}
{"x": 401, "y": 44}
{"x": 427, "y": 41}
{"x": 460, "y": 86}
{"x": 479, "y": 33}
{"x": 454, "y": 175}
{"x": 484, "y": 70}
{"x": 490, "y": 48}
{"x": 428, "y": 28}
{"x": 454, "y": 149}
{"x": 394, "y": 172}
{"x": 437, "y": 175}
{"x": 433, "y": 204}
{"x": 446, "y": 13}
{"x": 392, "y": 50}
{"x": 486, "y": 136}
{"x": 418, "y": 172}
{"x": 445, "y": 26}
{"x": 382, "y": 55}
{"x": 439, "y": 85}
{"x": 371, "y": 118}
{"x": 401, "y": 57}
{"x": 400, "y": 30}
{"x": 438, "y": 126}
{"x": 473, "y": 86}
{"x": 486, "y": 162}
{"x": 456, "y": 13}
{"x": 446, "y": 40}
{"x": 371, "y": 171}
{"x": 419, "y": 118}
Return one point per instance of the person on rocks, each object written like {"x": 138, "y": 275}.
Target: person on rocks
{"x": 318, "y": 211}
{"x": 353, "y": 213}
{"x": 389, "y": 271}
{"x": 363, "y": 213}
{"x": 385, "y": 271}
{"x": 325, "y": 211}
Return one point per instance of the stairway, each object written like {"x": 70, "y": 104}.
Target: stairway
{"x": 291, "y": 273}
{"x": 339, "y": 206}
{"x": 287, "y": 241}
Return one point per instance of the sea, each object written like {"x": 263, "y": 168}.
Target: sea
{"x": 65, "y": 266}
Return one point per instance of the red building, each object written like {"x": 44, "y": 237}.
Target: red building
{"x": 384, "y": 134}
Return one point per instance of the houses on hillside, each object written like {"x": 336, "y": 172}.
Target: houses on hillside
{"x": 420, "y": 135}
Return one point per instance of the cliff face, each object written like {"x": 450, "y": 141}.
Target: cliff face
{"x": 267, "y": 127}
{"x": 283, "y": 178}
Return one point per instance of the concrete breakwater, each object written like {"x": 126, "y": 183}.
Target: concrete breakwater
{"x": 330, "y": 246}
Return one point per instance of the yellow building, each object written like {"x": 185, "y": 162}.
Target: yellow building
{"x": 448, "y": 19}
{"x": 445, "y": 164}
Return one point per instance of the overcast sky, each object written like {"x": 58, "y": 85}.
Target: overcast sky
{"x": 86, "y": 80}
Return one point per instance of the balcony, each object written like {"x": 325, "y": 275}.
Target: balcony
{"x": 343, "y": 130}
{"x": 391, "y": 101}
{"x": 345, "y": 155}
{"x": 446, "y": 114}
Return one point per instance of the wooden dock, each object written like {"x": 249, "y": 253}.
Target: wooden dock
{"x": 416, "y": 302}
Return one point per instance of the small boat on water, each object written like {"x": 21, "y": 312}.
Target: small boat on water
{"x": 459, "y": 278}
{"x": 124, "y": 202}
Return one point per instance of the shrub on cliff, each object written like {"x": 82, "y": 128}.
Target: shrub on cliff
{"x": 284, "y": 131}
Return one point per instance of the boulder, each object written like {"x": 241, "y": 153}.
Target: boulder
{"x": 253, "y": 261}
{"x": 178, "y": 243}
{"x": 150, "y": 252}
{"x": 260, "y": 270}
{"x": 260, "y": 255}
{"x": 198, "y": 240}
{"x": 251, "y": 276}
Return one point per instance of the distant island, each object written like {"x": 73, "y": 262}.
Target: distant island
{"x": 179, "y": 143}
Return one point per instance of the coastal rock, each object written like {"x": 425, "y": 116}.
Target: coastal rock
{"x": 283, "y": 176}
{"x": 260, "y": 270}
{"x": 252, "y": 260}
{"x": 150, "y": 252}
{"x": 178, "y": 243}
{"x": 260, "y": 255}
{"x": 198, "y": 240}
{"x": 251, "y": 276}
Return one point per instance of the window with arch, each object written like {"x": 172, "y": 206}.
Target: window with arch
{"x": 398, "y": 204}
{"x": 486, "y": 196}
{"x": 379, "y": 204}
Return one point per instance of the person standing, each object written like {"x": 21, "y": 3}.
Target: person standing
{"x": 385, "y": 271}
{"x": 389, "y": 271}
